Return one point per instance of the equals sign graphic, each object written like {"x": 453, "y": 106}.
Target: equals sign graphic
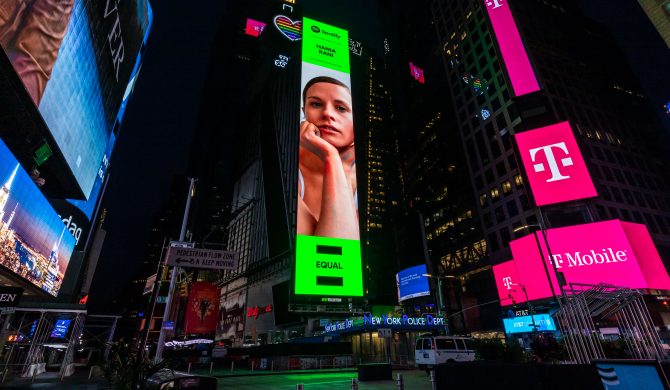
{"x": 329, "y": 280}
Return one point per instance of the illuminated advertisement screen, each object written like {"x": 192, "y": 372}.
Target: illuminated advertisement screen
{"x": 328, "y": 253}
{"x": 524, "y": 324}
{"x": 631, "y": 374}
{"x": 514, "y": 55}
{"x": 60, "y": 329}
{"x": 412, "y": 283}
{"x": 75, "y": 59}
{"x": 554, "y": 164}
{"x": 613, "y": 252}
{"x": 35, "y": 244}
{"x": 254, "y": 27}
{"x": 417, "y": 73}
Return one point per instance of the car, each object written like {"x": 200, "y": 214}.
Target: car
{"x": 431, "y": 351}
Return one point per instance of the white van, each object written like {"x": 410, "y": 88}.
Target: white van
{"x": 433, "y": 350}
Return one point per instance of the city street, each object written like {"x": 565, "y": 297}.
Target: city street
{"x": 413, "y": 379}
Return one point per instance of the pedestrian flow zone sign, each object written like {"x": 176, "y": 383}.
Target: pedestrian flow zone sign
{"x": 202, "y": 258}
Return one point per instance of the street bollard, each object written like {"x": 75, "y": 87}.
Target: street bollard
{"x": 354, "y": 384}
{"x": 253, "y": 365}
{"x": 299, "y": 386}
{"x": 211, "y": 367}
{"x": 232, "y": 365}
{"x": 189, "y": 368}
{"x": 272, "y": 365}
{"x": 433, "y": 382}
{"x": 34, "y": 373}
{"x": 400, "y": 382}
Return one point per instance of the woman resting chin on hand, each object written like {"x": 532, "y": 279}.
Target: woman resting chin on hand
{"x": 327, "y": 165}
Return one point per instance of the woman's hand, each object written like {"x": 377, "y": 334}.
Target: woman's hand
{"x": 311, "y": 140}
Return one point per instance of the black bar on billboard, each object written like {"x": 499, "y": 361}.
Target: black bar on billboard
{"x": 329, "y": 250}
{"x": 330, "y": 280}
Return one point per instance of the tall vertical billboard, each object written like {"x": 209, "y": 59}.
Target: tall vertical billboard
{"x": 328, "y": 253}
{"x": 511, "y": 47}
{"x": 75, "y": 59}
{"x": 34, "y": 243}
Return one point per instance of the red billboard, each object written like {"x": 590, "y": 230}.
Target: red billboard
{"x": 202, "y": 310}
{"x": 614, "y": 252}
{"x": 554, "y": 165}
{"x": 514, "y": 55}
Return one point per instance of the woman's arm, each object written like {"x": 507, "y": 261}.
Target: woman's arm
{"x": 337, "y": 217}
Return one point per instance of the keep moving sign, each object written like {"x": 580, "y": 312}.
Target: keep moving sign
{"x": 202, "y": 258}
{"x": 328, "y": 253}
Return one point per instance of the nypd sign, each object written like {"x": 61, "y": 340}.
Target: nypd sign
{"x": 202, "y": 258}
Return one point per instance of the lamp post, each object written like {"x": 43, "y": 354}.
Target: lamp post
{"x": 560, "y": 279}
{"x": 440, "y": 301}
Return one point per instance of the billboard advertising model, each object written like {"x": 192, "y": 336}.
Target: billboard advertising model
{"x": 328, "y": 253}
{"x": 412, "y": 283}
{"x": 34, "y": 242}
{"x": 75, "y": 59}
{"x": 613, "y": 252}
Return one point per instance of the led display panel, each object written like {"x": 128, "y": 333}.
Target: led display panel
{"x": 613, "y": 252}
{"x": 417, "y": 73}
{"x": 202, "y": 309}
{"x": 328, "y": 253}
{"x": 554, "y": 165}
{"x": 254, "y": 27}
{"x": 524, "y": 324}
{"x": 34, "y": 242}
{"x": 75, "y": 59}
{"x": 412, "y": 283}
{"x": 514, "y": 55}
{"x": 60, "y": 329}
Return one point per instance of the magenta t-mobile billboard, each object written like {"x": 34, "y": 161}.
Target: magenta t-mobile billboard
{"x": 614, "y": 252}
{"x": 554, "y": 165}
{"x": 514, "y": 55}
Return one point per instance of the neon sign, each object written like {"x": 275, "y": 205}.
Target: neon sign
{"x": 290, "y": 29}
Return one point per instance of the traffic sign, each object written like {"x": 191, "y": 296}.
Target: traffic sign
{"x": 149, "y": 285}
{"x": 202, "y": 258}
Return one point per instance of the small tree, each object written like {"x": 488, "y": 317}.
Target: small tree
{"x": 125, "y": 370}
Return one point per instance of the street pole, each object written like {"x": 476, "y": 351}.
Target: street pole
{"x": 173, "y": 277}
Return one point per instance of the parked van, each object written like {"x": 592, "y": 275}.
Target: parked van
{"x": 433, "y": 350}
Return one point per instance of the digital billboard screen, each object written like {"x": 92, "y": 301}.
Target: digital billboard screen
{"x": 75, "y": 59}
{"x": 511, "y": 47}
{"x": 412, "y": 283}
{"x": 35, "y": 243}
{"x": 328, "y": 253}
{"x": 554, "y": 164}
{"x": 525, "y": 324}
{"x": 60, "y": 329}
{"x": 614, "y": 252}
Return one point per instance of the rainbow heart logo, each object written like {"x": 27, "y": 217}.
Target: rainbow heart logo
{"x": 291, "y": 30}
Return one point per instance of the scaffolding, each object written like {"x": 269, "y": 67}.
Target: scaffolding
{"x": 584, "y": 305}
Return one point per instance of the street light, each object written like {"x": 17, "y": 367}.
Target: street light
{"x": 559, "y": 275}
{"x": 439, "y": 289}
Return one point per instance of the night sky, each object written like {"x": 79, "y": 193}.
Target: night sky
{"x": 157, "y": 131}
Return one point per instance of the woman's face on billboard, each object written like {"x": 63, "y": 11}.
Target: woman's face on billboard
{"x": 328, "y": 107}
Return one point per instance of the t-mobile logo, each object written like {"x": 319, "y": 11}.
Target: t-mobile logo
{"x": 493, "y": 4}
{"x": 551, "y": 160}
{"x": 507, "y": 281}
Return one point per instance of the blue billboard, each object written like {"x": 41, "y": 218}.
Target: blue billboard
{"x": 34, "y": 243}
{"x": 524, "y": 324}
{"x": 76, "y": 59}
{"x": 60, "y": 329}
{"x": 412, "y": 283}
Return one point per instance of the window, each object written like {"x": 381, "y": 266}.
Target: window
{"x": 445, "y": 344}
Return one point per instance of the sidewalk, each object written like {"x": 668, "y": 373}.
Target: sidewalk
{"x": 51, "y": 380}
